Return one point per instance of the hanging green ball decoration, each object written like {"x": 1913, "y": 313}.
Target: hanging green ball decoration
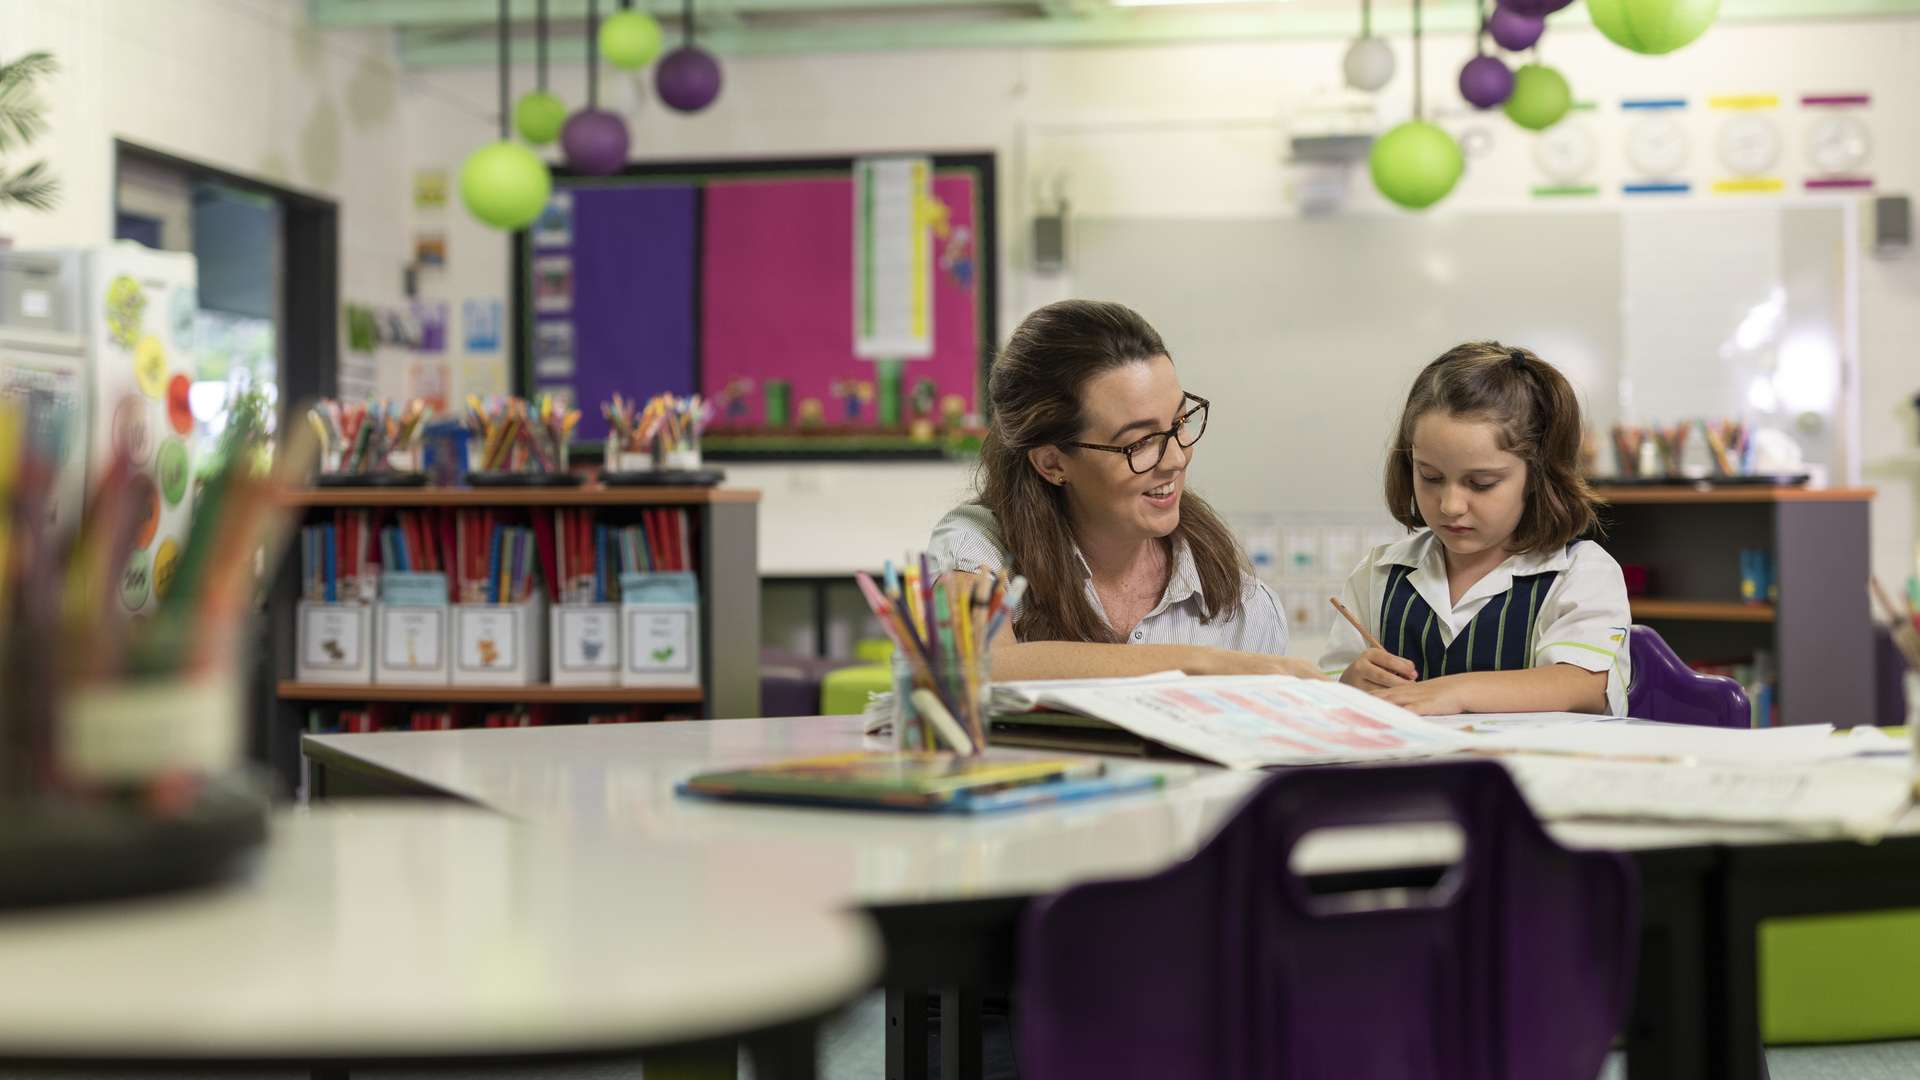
{"x": 1652, "y": 27}
{"x": 1416, "y": 164}
{"x": 1540, "y": 98}
{"x": 539, "y": 116}
{"x": 630, "y": 39}
{"x": 505, "y": 185}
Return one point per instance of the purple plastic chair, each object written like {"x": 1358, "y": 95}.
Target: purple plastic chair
{"x": 1665, "y": 689}
{"x": 1517, "y": 966}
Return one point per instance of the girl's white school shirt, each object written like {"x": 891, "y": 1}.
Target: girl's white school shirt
{"x": 1583, "y": 620}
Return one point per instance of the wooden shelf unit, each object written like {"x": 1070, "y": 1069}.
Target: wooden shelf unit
{"x": 726, "y": 561}
{"x": 1701, "y": 610}
{"x": 290, "y": 690}
{"x": 1818, "y": 631}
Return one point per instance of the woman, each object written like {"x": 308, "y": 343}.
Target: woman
{"x": 1083, "y": 491}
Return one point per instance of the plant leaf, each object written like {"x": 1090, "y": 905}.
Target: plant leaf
{"x": 32, "y": 187}
{"x": 22, "y": 113}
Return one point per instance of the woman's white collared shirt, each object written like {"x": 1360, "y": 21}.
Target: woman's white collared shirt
{"x": 968, "y": 538}
{"x": 1583, "y": 620}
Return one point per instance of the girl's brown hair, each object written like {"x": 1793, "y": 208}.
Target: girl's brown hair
{"x": 1034, "y": 389}
{"x": 1538, "y": 416}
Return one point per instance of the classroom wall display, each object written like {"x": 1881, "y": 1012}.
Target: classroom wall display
{"x": 742, "y": 281}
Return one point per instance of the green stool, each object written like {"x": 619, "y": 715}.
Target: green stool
{"x": 844, "y": 691}
{"x": 1840, "y": 978}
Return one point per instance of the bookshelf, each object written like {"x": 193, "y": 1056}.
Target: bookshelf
{"x": 1818, "y": 631}
{"x": 726, "y": 560}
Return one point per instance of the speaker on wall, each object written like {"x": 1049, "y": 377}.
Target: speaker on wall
{"x": 1892, "y": 225}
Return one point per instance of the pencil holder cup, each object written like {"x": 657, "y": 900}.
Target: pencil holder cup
{"x": 132, "y": 731}
{"x": 684, "y": 458}
{"x": 965, "y": 695}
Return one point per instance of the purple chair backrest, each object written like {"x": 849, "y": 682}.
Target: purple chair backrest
{"x": 1518, "y": 966}
{"x": 1665, "y": 689}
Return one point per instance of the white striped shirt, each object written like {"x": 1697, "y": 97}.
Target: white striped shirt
{"x": 968, "y": 539}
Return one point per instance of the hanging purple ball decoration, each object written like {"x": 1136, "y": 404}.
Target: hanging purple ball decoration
{"x": 1486, "y": 82}
{"x": 1514, "y": 31}
{"x": 687, "y": 79}
{"x": 1536, "y": 8}
{"x": 595, "y": 142}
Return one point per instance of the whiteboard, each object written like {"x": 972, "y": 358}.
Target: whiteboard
{"x": 1307, "y": 333}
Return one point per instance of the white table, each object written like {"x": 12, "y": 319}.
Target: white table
{"x": 947, "y": 891}
{"x": 430, "y": 932}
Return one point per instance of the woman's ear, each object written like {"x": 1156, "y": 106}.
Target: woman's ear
{"x": 1050, "y": 462}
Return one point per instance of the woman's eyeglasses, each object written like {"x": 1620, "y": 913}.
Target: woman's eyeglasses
{"x": 1144, "y": 454}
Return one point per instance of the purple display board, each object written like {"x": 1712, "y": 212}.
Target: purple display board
{"x": 735, "y": 280}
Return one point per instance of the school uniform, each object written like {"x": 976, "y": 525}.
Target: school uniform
{"x": 968, "y": 538}
{"x": 1565, "y": 606}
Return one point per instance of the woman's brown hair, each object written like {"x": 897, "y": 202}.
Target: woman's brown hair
{"x": 1035, "y": 389}
{"x": 1538, "y": 416}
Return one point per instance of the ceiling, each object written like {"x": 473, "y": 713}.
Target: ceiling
{"x": 434, "y": 33}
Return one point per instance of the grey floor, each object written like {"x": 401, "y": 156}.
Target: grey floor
{"x": 852, "y": 1048}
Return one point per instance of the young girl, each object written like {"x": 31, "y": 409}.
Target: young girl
{"x": 1493, "y": 604}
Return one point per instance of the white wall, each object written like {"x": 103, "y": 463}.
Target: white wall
{"x": 242, "y": 85}
{"x": 1201, "y": 131}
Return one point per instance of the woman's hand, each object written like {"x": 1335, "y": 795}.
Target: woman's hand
{"x": 1436, "y": 697}
{"x": 1228, "y": 662}
{"x": 1377, "y": 669}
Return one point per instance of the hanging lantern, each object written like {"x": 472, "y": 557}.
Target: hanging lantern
{"x": 1369, "y": 62}
{"x": 1652, "y": 27}
{"x": 504, "y": 184}
{"x": 1539, "y": 9}
{"x": 1540, "y": 97}
{"x": 1513, "y": 31}
{"x": 595, "y": 139}
{"x": 688, "y": 79}
{"x": 1486, "y": 81}
{"x": 1417, "y": 163}
{"x": 630, "y": 39}
{"x": 538, "y": 115}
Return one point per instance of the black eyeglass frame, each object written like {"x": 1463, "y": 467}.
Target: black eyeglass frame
{"x": 1202, "y": 407}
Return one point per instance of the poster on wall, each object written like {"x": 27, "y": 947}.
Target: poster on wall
{"x": 431, "y": 316}
{"x": 430, "y": 249}
{"x": 892, "y": 275}
{"x": 480, "y": 321}
{"x": 429, "y": 189}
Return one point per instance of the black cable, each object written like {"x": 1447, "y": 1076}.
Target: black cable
{"x": 1419, "y": 106}
{"x": 686, "y": 17}
{"x": 540, "y": 42}
{"x": 503, "y": 70}
{"x": 593, "y": 54}
{"x": 1366, "y": 18}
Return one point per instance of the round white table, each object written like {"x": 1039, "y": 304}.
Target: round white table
{"x": 435, "y": 934}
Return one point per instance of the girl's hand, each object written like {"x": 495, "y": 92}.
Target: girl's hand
{"x": 1439, "y": 697}
{"x": 1377, "y": 669}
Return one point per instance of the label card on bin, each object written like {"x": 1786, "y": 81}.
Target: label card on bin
{"x": 499, "y": 644}
{"x": 660, "y": 629}
{"x": 335, "y": 643}
{"x": 586, "y": 645}
{"x": 413, "y": 645}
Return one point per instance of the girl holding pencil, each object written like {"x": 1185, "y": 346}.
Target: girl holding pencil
{"x": 1494, "y": 604}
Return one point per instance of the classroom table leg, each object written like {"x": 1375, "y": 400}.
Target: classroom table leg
{"x": 961, "y": 1034}
{"x": 791, "y": 1052}
{"x": 328, "y": 1072}
{"x": 906, "y": 1034}
{"x": 716, "y": 1060}
{"x": 1735, "y": 1008}
{"x": 1665, "y": 1036}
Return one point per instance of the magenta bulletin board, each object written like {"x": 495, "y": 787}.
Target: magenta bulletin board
{"x": 758, "y": 306}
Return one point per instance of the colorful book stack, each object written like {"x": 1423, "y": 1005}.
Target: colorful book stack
{"x": 496, "y": 560}
{"x": 925, "y": 782}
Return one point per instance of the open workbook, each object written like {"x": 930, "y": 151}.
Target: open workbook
{"x": 1240, "y": 721}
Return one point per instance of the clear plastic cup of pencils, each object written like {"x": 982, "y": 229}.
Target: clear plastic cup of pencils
{"x": 943, "y": 626}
